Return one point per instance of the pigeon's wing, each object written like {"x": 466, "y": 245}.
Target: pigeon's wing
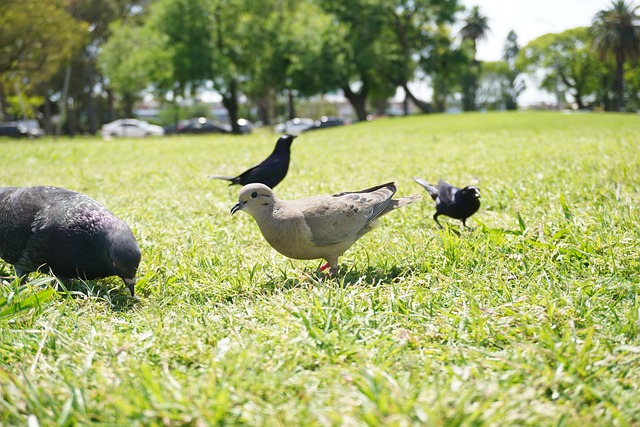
{"x": 16, "y": 218}
{"x": 446, "y": 192}
{"x": 344, "y": 216}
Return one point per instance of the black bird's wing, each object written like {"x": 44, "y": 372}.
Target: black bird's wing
{"x": 270, "y": 172}
{"x": 447, "y": 192}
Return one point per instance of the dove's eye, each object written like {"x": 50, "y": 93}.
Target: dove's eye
{"x": 254, "y": 194}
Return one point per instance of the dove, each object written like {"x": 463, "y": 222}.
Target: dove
{"x": 321, "y": 226}
{"x": 53, "y": 229}
{"x": 452, "y": 201}
{"x": 271, "y": 171}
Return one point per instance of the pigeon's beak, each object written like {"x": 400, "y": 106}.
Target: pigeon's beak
{"x": 478, "y": 193}
{"x": 131, "y": 283}
{"x": 237, "y": 207}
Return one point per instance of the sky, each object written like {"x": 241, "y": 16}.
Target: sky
{"x": 530, "y": 19}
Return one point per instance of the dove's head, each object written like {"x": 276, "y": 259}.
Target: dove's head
{"x": 255, "y": 199}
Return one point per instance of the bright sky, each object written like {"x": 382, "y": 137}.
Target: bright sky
{"x": 530, "y": 19}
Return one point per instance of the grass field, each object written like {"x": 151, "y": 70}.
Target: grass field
{"x": 530, "y": 318}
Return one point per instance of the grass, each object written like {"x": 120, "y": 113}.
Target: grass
{"x": 531, "y": 318}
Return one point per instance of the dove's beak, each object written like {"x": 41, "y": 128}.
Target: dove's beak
{"x": 131, "y": 283}
{"x": 237, "y": 207}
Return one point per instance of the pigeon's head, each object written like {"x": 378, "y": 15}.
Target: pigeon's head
{"x": 255, "y": 199}
{"x": 124, "y": 253}
{"x": 470, "y": 192}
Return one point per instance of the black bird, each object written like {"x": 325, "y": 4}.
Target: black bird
{"x": 452, "y": 201}
{"x": 52, "y": 229}
{"x": 271, "y": 171}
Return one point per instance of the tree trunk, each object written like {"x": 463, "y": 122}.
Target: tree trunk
{"x": 263, "y": 104}
{"x": 424, "y": 106}
{"x": 357, "y": 100}
{"x": 619, "y": 84}
{"x": 47, "y": 115}
{"x": 291, "y": 105}
{"x": 230, "y": 102}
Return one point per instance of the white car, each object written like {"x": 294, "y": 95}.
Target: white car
{"x": 294, "y": 126}
{"x": 130, "y": 128}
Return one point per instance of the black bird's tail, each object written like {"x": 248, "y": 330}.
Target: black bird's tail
{"x": 235, "y": 180}
{"x": 432, "y": 190}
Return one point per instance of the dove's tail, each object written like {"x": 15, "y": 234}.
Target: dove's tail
{"x": 398, "y": 203}
{"x": 431, "y": 189}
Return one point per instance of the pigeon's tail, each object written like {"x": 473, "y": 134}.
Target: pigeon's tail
{"x": 233, "y": 179}
{"x": 433, "y": 191}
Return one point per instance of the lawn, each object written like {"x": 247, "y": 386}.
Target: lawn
{"x": 530, "y": 317}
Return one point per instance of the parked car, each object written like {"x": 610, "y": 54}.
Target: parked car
{"x": 326, "y": 122}
{"x": 245, "y": 126}
{"x": 130, "y": 128}
{"x": 200, "y": 125}
{"x": 21, "y": 129}
{"x": 294, "y": 126}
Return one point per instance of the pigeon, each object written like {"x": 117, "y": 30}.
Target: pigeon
{"x": 452, "y": 201}
{"x": 271, "y": 171}
{"x": 52, "y": 229}
{"x": 321, "y": 226}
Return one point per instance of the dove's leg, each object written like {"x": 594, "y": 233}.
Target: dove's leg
{"x": 332, "y": 265}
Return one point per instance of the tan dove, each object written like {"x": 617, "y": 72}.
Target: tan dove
{"x": 321, "y": 226}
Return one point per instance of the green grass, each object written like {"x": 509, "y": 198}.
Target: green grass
{"x": 531, "y": 318}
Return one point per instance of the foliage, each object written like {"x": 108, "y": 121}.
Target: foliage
{"x": 133, "y": 58}
{"x": 530, "y": 318}
{"x": 29, "y": 59}
{"x": 500, "y": 85}
{"x": 475, "y": 28}
{"x": 616, "y": 31}
{"x": 445, "y": 64}
{"x": 565, "y": 62}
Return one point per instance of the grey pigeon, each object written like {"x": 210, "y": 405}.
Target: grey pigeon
{"x": 271, "y": 171}
{"x": 452, "y": 201}
{"x": 52, "y": 229}
{"x": 321, "y": 226}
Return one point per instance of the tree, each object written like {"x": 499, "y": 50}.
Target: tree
{"x": 565, "y": 62}
{"x": 131, "y": 59}
{"x": 616, "y": 32}
{"x": 413, "y": 27}
{"x": 353, "y": 51}
{"x": 512, "y": 88}
{"x": 475, "y": 28}
{"x": 445, "y": 64}
{"x": 500, "y": 85}
{"x": 30, "y": 59}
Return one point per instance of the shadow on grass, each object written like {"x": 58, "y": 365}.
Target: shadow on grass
{"x": 111, "y": 291}
{"x": 114, "y": 294}
{"x": 307, "y": 279}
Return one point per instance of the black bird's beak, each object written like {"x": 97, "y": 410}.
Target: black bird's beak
{"x": 131, "y": 283}
{"x": 238, "y": 206}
